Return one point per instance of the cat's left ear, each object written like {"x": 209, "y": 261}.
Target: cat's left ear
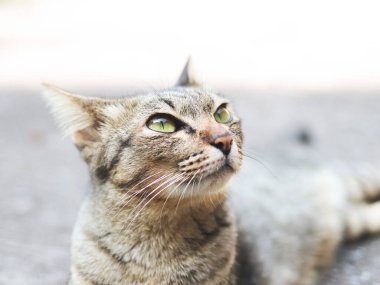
{"x": 77, "y": 116}
{"x": 187, "y": 77}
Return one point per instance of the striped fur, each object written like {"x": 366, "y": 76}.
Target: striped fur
{"x": 157, "y": 213}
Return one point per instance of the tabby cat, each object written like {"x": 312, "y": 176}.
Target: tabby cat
{"x": 160, "y": 165}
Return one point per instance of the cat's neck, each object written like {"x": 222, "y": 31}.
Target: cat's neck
{"x": 131, "y": 213}
{"x": 189, "y": 223}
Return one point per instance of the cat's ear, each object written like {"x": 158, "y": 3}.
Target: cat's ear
{"x": 76, "y": 115}
{"x": 187, "y": 77}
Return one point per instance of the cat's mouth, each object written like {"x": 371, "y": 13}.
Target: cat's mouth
{"x": 209, "y": 176}
{"x": 202, "y": 167}
{"x": 206, "y": 172}
{"x": 225, "y": 169}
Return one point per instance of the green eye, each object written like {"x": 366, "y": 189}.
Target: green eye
{"x": 222, "y": 115}
{"x": 162, "y": 124}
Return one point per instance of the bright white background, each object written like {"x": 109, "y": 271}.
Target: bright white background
{"x": 294, "y": 45}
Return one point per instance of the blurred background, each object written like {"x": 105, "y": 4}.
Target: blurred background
{"x": 290, "y": 67}
{"x": 294, "y": 45}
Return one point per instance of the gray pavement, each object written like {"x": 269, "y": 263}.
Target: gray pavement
{"x": 43, "y": 180}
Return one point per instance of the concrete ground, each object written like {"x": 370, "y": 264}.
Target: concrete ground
{"x": 43, "y": 180}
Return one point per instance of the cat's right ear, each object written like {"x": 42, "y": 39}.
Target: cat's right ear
{"x": 77, "y": 116}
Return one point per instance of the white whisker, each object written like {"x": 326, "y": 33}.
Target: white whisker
{"x": 153, "y": 191}
{"x": 167, "y": 198}
{"x": 178, "y": 177}
{"x": 136, "y": 207}
{"x": 139, "y": 191}
{"x": 150, "y": 176}
{"x": 185, "y": 189}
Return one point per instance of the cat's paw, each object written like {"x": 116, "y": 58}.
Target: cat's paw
{"x": 362, "y": 214}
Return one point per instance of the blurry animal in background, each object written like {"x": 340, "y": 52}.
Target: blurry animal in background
{"x": 159, "y": 211}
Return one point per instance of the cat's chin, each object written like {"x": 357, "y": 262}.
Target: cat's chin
{"x": 224, "y": 170}
{"x": 215, "y": 182}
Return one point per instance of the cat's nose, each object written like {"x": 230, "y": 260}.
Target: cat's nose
{"x": 222, "y": 142}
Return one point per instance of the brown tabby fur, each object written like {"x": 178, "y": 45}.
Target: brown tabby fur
{"x": 157, "y": 213}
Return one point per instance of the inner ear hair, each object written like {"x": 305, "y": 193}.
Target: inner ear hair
{"x": 77, "y": 116}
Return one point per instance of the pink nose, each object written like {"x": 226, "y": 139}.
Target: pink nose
{"x": 222, "y": 142}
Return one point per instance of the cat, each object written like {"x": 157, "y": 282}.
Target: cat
{"x": 159, "y": 213}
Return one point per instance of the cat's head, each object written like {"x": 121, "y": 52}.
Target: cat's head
{"x": 173, "y": 142}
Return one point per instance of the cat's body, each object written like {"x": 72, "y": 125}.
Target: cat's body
{"x": 158, "y": 212}
{"x": 293, "y": 219}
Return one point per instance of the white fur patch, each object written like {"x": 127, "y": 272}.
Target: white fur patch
{"x": 114, "y": 111}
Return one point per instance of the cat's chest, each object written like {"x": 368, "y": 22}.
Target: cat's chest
{"x": 190, "y": 239}
{"x": 198, "y": 249}
{"x": 197, "y": 246}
